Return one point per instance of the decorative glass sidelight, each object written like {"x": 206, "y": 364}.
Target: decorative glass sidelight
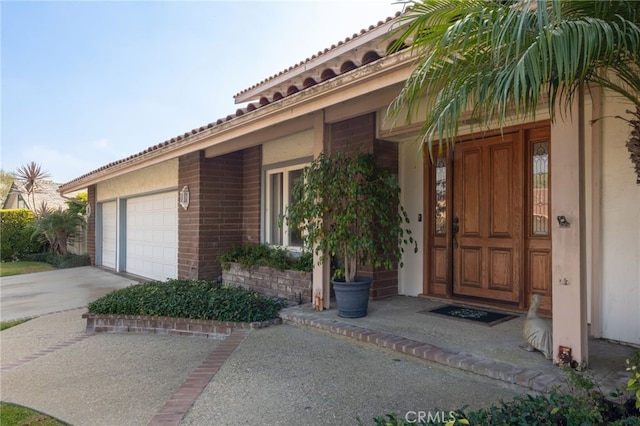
{"x": 540, "y": 189}
{"x": 441, "y": 197}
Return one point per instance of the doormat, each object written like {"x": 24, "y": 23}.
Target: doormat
{"x": 480, "y": 316}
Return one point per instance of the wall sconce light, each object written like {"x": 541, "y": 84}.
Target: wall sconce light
{"x": 184, "y": 197}
{"x": 88, "y": 210}
{"x": 563, "y": 222}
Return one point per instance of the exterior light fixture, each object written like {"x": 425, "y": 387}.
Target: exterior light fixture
{"x": 184, "y": 197}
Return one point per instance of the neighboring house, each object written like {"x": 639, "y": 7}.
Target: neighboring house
{"x": 46, "y": 192}
{"x": 502, "y": 192}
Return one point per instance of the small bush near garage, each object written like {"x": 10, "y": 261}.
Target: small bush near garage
{"x": 15, "y": 239}
{"x": 189, "y": 299}
{"x": 252, "y": 255}
{"x": 61, "y": 262}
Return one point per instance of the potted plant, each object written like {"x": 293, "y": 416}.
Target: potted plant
{"x": 348, "y": 207}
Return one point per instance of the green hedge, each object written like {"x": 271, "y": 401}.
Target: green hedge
{"x": 59, "y": 261}
{"x": 189, "y": 299}
{"x": 581, "y": 404}
{"x": 15, "y": 235}
{"x": 251, "y": 255}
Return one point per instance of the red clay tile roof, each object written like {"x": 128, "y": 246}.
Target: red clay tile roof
{"x": 326, "y": 75}
{"x": 321, "y": 53}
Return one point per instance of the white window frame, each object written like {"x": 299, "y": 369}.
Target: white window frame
{"x": 268, "y": 216}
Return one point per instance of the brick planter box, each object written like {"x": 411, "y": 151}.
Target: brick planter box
{"x": 295, "y": 286}
{"x": 209, "y": 329}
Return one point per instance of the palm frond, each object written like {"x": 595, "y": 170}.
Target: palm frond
{"x": 497, "y": 60}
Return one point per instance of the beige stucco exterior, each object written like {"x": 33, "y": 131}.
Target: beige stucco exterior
{"x": 620, "y": 229}
{"x": 412, "y": 184}
{"x": 568, "y": 268}
{"x": 288, "y": 148}
{"x": 143, "y": 181}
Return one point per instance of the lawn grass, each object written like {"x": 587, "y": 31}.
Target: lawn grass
{"x": 13, "y": 415}
{"x": 8, "y": 324}
{"x": 17, "y": 268}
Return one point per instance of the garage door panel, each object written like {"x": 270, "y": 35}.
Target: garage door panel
{"x": 169, "y": 237}
{"x": 152, "y": 235}
{"x": 109, "y": 233}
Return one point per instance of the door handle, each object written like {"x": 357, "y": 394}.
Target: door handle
{"x": 456, "y": 226}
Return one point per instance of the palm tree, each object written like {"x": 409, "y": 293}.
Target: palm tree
{"x": 56, "y": 227}
{"x": 31, "y": 175}
{"x": 502, "y": 58}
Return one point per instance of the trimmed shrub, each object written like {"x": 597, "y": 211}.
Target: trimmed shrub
{"x": 59, "y": 261}
{"x": 15, "y": 238}
{"x": 189, "y": 299}
{"x": 251, "y": 255}
{"x": 581, "y": 404}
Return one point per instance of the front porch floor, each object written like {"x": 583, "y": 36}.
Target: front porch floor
{"x": 397, "y": 324}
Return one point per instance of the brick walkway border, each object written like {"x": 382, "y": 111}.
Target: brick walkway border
{"x": 8, "y": 367}
{"x": 535, "y": 380}
{"x": 174, "y": 410}
{"x": 51, "y": 349}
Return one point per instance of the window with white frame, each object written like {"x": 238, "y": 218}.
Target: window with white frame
{"x": 279, "y": 185}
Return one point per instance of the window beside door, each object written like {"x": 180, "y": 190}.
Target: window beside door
{"x": 278, "y": 196}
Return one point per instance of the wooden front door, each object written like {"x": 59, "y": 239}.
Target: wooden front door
{"x": 487, "y": 218}
{"x": 488, "y": 228}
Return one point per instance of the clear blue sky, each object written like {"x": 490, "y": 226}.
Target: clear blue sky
{"x": 85, "y": 83}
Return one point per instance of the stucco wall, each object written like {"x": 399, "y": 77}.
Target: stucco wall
{"x": 150, "y": 179}
{"x": 411, "y": 184}
{"x": 620, "y": 228}
{"x": 292, "y": 147}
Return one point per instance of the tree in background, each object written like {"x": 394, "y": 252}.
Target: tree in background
{"x": 31, "y": 175}
{"x": 6, "y": 179}
{"x": 500, "y": 58}
{"x": 78, "y": 204}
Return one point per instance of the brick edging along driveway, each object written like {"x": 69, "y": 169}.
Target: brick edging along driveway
{"x": 209, "y": 329}
{"x": 174, "y": 410}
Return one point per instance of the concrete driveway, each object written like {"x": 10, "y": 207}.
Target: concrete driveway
{"x": 30, "y": 295}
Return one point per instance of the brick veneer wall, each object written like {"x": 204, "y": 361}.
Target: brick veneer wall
{"x": 213, "y": 221}
{"x": 91, "y": 223}
{"x": 251, "y": 194}
{"x": 224, "y": 209}
{"x": 295, "y": 286}
{"x": 355, "y": 135}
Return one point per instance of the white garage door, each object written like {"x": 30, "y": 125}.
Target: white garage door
{"x": 152, "y": 236}
{"x": 109, "y": 232}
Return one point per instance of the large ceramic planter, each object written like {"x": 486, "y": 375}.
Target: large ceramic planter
{"x": 352, "y": 298}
